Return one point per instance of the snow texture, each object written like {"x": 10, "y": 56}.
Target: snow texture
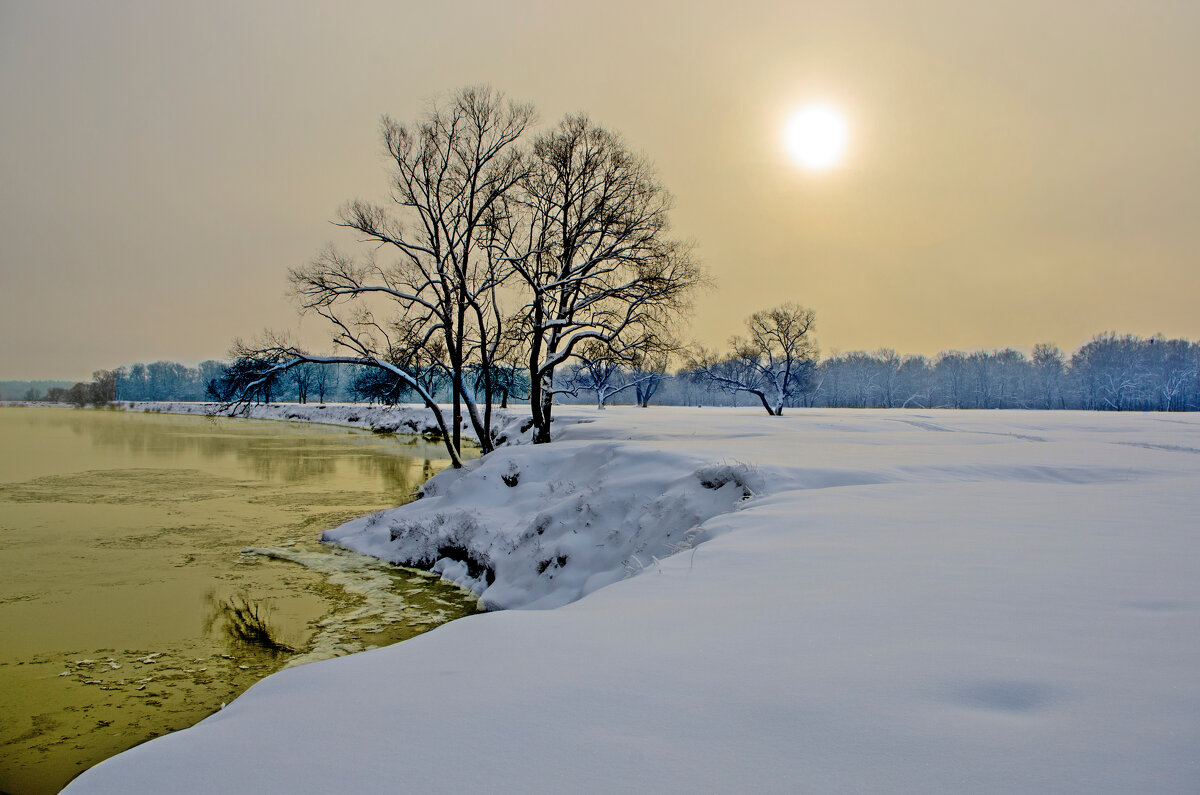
{"x": 542, "y": 526}
{"x": 859, "y": 601}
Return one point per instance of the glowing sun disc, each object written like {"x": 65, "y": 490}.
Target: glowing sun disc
{"x": 816, "y": 137}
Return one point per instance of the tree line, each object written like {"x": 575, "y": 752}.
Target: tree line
{"x": 777, "y": 365}
{"x": 169, "y": 381}
{"x": 29, "y": 390}
{"x": 161, "y": 380}
{"x": 1110, "y": 372}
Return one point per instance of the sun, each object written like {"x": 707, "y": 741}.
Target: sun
{"x": 816, "y": 137}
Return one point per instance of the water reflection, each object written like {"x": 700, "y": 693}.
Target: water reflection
{"x": 285, "y": 453}
{"x": 127, "y": 608}
{"x": 245, "y": 624}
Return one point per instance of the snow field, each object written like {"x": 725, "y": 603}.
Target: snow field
{"x": 867, "y": 601}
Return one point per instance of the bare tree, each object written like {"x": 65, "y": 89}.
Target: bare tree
{"x": 1110, "y": 372}
{"x": 1049, "y": 366}
{"x": 250, "y": 378}
{"x": 771, "y": 362}
{"x": 915, "y": 382}
{"x": 258, "y": 366}
{"x": 573, "y": 233}
{"x": 436, "y": 303}
{"x": 302, "y": 377}
{"x": 607, "y": 376}
{"x": 1174, "y": 366}
{"x": 888, "y": 369}
{"x": 325, "y": 379}
{"x": 950, "y": 369}
{"x": 588, "y": 240}
{"x": 104, "y": 386}
{"x": 649, "y": 372}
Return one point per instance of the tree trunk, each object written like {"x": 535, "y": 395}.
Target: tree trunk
{"x": 457, "y": 412}
{"x": 766, "y": 405}
{"x": 542, "y": 412}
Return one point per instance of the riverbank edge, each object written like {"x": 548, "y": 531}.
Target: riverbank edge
{"x": 405, "y": 418}
{"x": 412, "y": 419}
{"x": 528, "y": 526}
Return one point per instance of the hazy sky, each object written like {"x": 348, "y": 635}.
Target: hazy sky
{"x": 1017, "y": 172}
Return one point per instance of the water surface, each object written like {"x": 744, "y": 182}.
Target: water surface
{"x": 128, "y": 606}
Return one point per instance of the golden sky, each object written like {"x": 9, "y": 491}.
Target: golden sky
{"x": 1017, "y": 172}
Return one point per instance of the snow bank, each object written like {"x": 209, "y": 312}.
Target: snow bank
{"x": 868, "y": 601}
{"x": 543, "y": 526}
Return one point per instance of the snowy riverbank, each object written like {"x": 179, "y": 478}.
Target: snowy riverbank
{"x": 387, "y": 419}
{"x": 862, "y": 601}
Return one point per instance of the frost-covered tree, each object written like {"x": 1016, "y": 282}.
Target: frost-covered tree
{"x": 887, "y": 369}
{"x": 1049, "y": 367}
{"x": 1110, "y": 373}
{"x": 648, "y": 373}
{"x": 597, "y": 371}
{"x": 248, "y": 379}
{"x": 915, "y": 383}
{"x": 325, "y": 380}
{"x": 1174, "y": 371}
{"x": 772, "y": 362}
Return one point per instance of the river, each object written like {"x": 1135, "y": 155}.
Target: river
{"x": 128, "y": 606}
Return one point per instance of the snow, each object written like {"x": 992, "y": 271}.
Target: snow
{"x": 553, "y": 524}
{"x": 399, "y": 419}
{"x": 859, "y": 601}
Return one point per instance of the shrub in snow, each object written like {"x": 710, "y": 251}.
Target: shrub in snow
{"x": 513, "y": 476}
{"x": 744, "y": 477}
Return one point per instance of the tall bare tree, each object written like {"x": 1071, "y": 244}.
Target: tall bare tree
{"x": 588, "y": 238}
{"x": 649, "y": 372}
{"x": 437, "y": 297}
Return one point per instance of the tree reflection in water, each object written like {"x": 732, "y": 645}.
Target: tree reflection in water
{"x": 291, "y": 453}
{"x": 245, "y": 624}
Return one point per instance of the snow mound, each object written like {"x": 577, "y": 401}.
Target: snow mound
{"x": 541, "y": 527}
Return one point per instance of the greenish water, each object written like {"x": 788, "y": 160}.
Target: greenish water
{"x": 128, "y": 607}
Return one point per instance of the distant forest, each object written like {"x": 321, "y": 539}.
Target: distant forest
{"x": 1110, "y": 372}
{"x": 29, "y": 390}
